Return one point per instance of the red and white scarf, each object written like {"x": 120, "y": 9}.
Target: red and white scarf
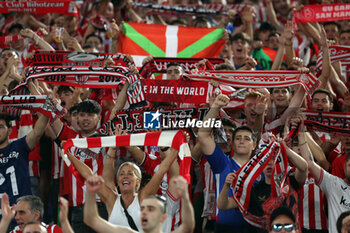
{"x": 249, "y": 172}
{"x": 173, "y": 139}
{"x": 322, "y": 13}
{"x": 259, "y": 79}
{"x": 66, "y": 58}
{"x": 160, "y": 64}
{"x": 337, "y": 53}
{"x": 65, "y": 7}
{"x": 7, "y": 39}
{"x": 329, "y": 122}
{"x": 40, "y": 102}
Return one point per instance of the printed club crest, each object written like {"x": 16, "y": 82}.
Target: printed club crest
{"x": 81, "y": 79}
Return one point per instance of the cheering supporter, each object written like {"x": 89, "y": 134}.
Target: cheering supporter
{"x": 221, "y": 165}
{"x": 261, "y": 191}
{"x": 88, "y": 119}
{"x": 128, "y": 181}
{"x": 153, "y": 210}
{"x": 333, "y": 187}
{"x": 282, "y": 219}
{"x": 27, "y": 209}
{"x": 85, "y": 55}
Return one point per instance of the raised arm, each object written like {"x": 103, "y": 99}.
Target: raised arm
{"x": 326, "y": 63}
{"x": 204, "y": 134}
{"x": 91, "y": 216}
{"x": 317, "y": 152}
{"x": 152, "y": 186}
{"x": 307, "y": 155}
{"x": 65, "y": 225}
{"x": 106, "y": 194}
{"x": 224, "y": 201}
{"x": 299, "y": 163}
{"x": 8, "y": 213}
{"x": 34, "y": 136}
{"x": 28, "y": 33}
{"x": 187, "y": 213}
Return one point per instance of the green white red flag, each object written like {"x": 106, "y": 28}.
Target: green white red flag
{"x": 141, "y": 40}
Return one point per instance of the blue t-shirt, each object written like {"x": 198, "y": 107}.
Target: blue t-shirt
{"x": 14, "y": 170}
{"x": 221, "y": 166}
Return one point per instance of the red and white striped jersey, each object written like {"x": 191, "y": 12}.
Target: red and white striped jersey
{"x": 209, "y": 209}
{"x": 91, "y": 157}
{"x": 311, "y": 206}
{"x": 56, "y": 162}
{"x": 51, "y": 228}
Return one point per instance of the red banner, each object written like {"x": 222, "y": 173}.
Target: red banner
{"x": 178, "y": 91}
{"x": 323, "y": 13}
{"x": 64, "y": 7}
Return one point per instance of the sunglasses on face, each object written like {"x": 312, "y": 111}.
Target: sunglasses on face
{"x": 278, "y": 227}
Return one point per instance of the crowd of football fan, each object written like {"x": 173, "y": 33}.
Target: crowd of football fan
{"x": 128, "y": 189}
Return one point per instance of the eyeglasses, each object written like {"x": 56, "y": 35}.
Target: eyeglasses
{"x": 278, "y": 227}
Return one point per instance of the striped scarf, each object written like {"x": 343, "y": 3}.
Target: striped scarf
{"x": 259, "y": 79}
{"x": 173, "y": 139}
{"x": 41, "y": 103}
{"x": 337, "y": 53}
{"x": 249, "y": 172}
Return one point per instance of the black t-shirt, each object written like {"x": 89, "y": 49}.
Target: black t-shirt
{"x": 260, "y": 192}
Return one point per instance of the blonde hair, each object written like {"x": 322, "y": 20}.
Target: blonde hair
{"x": 137, "y": 172}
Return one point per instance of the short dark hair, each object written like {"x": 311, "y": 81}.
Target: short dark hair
{"x": 6, "y": 118}
{"x": 15, "y": 26}
{"x": 94, "y": 35}
{"x": 282, "y": 210}
{"x": 340, "y": 220}
{"x": 274, "y": 33}
{"x": 228, "y": 122}
{"x": 175, "y": 64}
{"x": 63, "y": 88}
{"x": 244, "y": 128}
{"x": 288, "y": 89}
{"x": 241, "y": 36}
{"x": 9, "y": 48}
{"x": 266, "y": 26}
{"x": 89, "y": 106}
{"x": 332, "y": 23}
{"x": 35, "y": 203}
{"x": 323, "y": 91}
{"x": 311, "y": 63}
{"x": 160, "y": 199}
{"x": 344, "y": 31}
{"x": 73, "y": 108}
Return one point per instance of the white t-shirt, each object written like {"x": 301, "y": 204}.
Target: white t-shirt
{"x": 337, "y": 192}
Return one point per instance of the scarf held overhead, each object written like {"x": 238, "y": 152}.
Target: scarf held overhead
{"x": 65, "y": 7}
{"x": 41, "y": 103}
{"x": 259, "y": 79}
{"x": 173, "y": 139}
{"x": 64, "y": 58}
{"x": 322, "y": 13}
{"x": 160, "y": 64}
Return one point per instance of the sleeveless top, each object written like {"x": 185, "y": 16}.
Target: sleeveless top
{"x": 118, "y": 216}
